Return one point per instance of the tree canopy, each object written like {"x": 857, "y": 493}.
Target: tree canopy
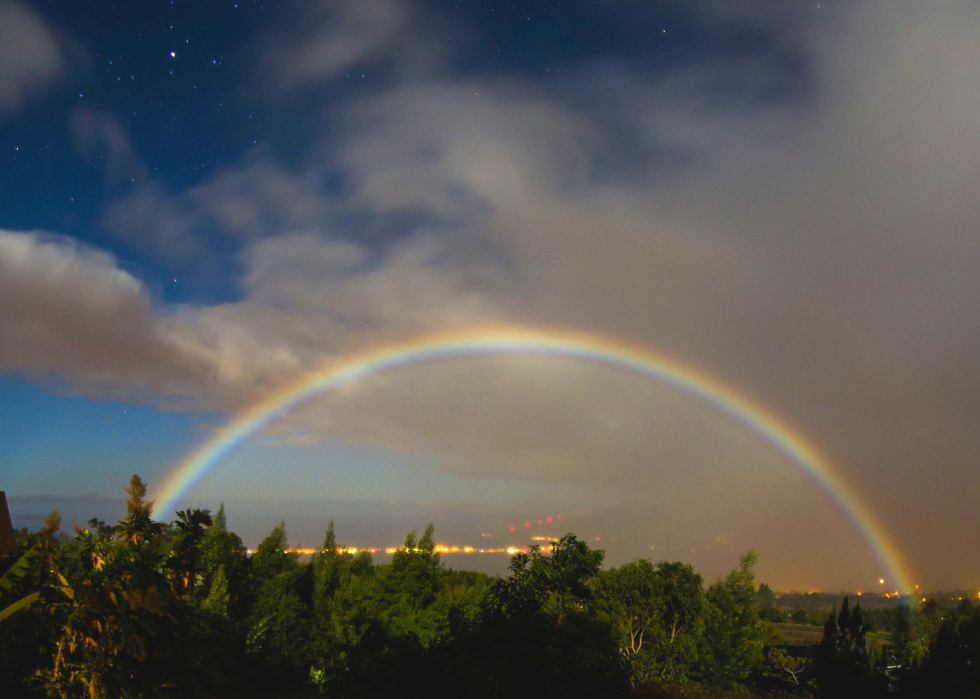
{"x": 142, "y": 608}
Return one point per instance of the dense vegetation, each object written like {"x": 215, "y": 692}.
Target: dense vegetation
{"x": 141, "y": 609}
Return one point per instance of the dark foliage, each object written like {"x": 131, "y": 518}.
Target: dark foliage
{"x": 146, "y": 609}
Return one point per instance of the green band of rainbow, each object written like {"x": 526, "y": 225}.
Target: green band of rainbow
{"x": 557, "y": 343}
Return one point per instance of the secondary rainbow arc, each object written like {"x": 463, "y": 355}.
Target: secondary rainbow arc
{"x": 553, "y": 343}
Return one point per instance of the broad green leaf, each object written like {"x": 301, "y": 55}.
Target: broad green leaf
{"x": 18, "y": 606}
{"x": 18, "y": 569}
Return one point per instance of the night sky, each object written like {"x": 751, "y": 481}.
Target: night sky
{"x": 202, "y": 201}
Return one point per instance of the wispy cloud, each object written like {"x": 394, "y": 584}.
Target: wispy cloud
{"x": 102, "y": 138}
{"x": 31, "y": 57}
{"x": 323, "y": 42}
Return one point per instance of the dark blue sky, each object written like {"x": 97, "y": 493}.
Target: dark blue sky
{"x": 180, "y": 80}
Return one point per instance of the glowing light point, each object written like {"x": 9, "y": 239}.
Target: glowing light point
{"x": 549, "y": 520}
{"x": 512, "y": 528}
{"x": 173, "y": 54}
{"x": 527, "y": 524}
{"x": 881, "y": 581}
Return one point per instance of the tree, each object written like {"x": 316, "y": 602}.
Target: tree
{"x": 277, "y": 613}
{"x": 732, "y": 640}
{"x": 538, "y": 633}
{"x": 328, "y": 564}
{"x": 223, "y": 550}
{"x": 217, "y": 600}
{"x": 411, "y": 584}
{"x": 185, "y": 549}
{"x": 781, "y": 665}
{"x": 138, "y": 526}
{"x": 561, "y": 581}
{"x": 768, "y": 611}
{"x": 657, "y": 613}
{"x": 272, "y": 557}
{"x": 631, "y": 598}
{"x": 115, "y": 627}
{"x": 952, "y": 668}
{"x": 843, "y": 667}
{"x": 909, "y": 647}
{"x": 685, "y": 605}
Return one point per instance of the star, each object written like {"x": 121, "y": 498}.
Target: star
{"x": 173, "y": 54}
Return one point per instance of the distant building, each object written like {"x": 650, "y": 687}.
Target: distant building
{"x": 7, "y": 541}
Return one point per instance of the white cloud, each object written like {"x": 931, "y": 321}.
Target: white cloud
{"x": 70, "y": 313}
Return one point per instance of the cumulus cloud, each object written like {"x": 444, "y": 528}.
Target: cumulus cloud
{"x": 70, "y": 313}
{"x": 30, "y": 56}
{"x": 309, "y": 300}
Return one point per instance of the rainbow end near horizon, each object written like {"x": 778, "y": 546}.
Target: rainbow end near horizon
{"x": 549, "y": 343}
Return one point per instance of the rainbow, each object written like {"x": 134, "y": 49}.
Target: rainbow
{"x": 551, "y": 343}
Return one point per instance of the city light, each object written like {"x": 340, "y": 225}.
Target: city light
{"x": 441, "y": 549}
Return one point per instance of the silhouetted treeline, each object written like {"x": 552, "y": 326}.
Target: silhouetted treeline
{"x": 146, "y": 609}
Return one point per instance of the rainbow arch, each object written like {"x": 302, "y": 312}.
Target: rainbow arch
{"x": 553, "y": 343}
